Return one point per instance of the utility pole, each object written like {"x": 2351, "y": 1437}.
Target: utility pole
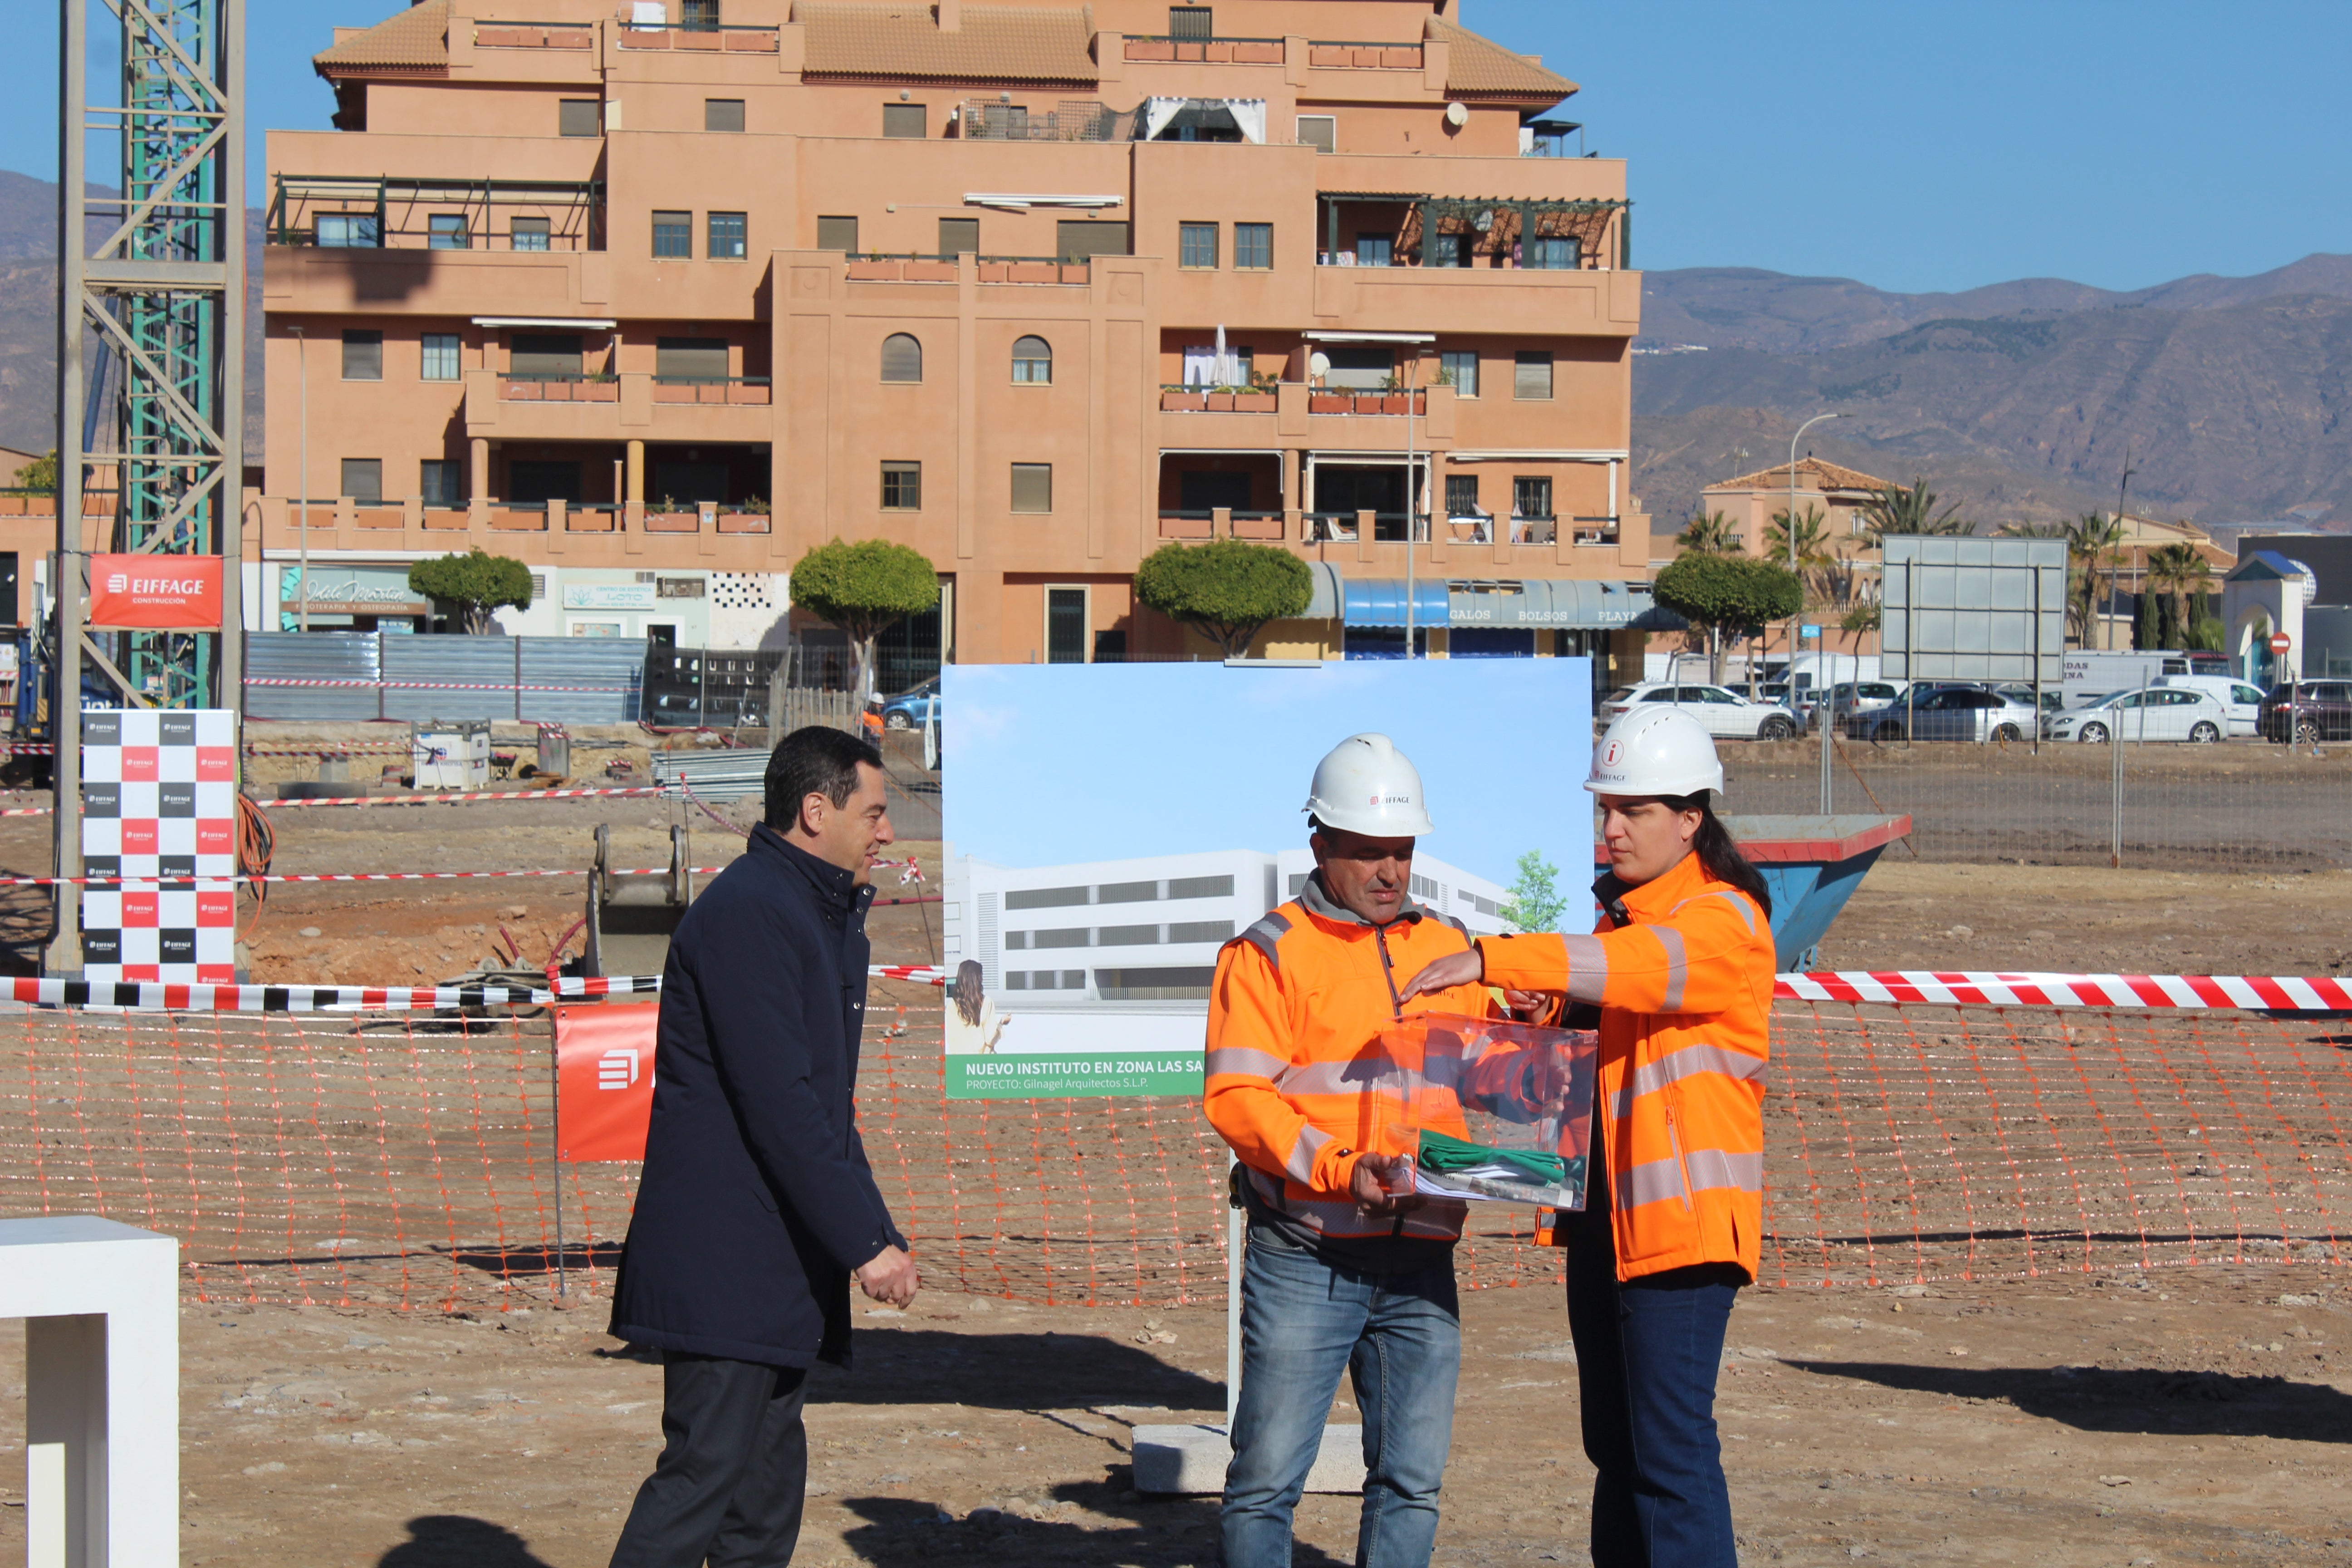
{"x": 1791, "y": 525}
{"x": 2116, "y": 727}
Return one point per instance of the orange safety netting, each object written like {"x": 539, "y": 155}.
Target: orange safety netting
{"x": 408, "y": 1160}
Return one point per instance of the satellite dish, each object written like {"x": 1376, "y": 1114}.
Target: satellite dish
{"x": 1457, "y": 116}
{"x": 1318, "y": 364}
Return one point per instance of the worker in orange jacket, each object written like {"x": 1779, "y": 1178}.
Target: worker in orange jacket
{"x": 1680, "y": 968}
{"x": 1345, "y": 1266}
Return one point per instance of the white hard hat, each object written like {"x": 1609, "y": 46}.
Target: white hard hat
{"x": 1366, "y": 786}
{"x": 1653, "y": 749}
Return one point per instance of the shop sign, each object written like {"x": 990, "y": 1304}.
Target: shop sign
{"x": 154, "y": 592}
{"x": 609, "y": 596}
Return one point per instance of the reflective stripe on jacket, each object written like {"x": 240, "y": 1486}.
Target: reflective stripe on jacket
{"x": 1296, "y": 1081}
{"x": 1685, "y": 990}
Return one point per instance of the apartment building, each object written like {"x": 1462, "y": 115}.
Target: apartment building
{"x": 687, "y": 286}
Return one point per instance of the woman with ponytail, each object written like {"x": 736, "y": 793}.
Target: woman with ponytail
{"x": 1680, "y": 966}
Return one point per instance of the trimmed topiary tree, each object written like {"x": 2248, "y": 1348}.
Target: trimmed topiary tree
{"x": 1225, "y": 589}
{"x": 475, "y": 585}
{"x": 865, "y": 588}
{"x": 1728, "y": 595}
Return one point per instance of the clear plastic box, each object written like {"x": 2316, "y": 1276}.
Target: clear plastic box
{"x": 1519, "y": 1095}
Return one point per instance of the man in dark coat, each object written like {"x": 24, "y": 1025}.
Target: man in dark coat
{"x": 756, "y": 1205}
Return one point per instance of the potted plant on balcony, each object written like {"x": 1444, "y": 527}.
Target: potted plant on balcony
{"x": 670, "y": 515}
{"x": 1182, "y": 400}
{"x": 1221, "y": 399}
{"x": 1257, "y": 397}
{"x": 748, "y": 515}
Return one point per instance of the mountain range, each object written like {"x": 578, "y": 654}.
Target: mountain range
{"x": 2023, "y": 401}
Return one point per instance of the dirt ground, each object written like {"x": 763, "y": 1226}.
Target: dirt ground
{"x": 2181, "y": 1415}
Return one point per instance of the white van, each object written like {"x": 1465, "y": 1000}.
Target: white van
{"x": 2243, "y": 699}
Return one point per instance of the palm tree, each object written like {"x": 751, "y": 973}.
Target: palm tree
{"x": 2032, "y": 531}
{"x": 1816, "y": 561}
{"x": 1895, "y": 509}
{"x": 2181, "y": 570}
{"x": 2088, "y": 537}
{"x": 1709, "y": 533}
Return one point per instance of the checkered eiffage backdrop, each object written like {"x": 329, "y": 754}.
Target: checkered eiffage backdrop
{"x": 159, "y": 810}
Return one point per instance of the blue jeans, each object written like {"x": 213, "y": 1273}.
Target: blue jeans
{"x": 1646, "y": 1355}
{"x": 1399, "y": 1337}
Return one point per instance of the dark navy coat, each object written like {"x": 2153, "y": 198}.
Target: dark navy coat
{"x": 756, "y": 1201}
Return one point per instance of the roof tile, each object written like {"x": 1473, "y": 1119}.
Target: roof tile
{"x": 1810, "y": 471}
{"x": 1477, "y": 64}
{"x": 417, "y": 38}
{"x": 994, "y": 43}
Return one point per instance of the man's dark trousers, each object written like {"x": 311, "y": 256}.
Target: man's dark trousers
{"x": 733, "y": 1469}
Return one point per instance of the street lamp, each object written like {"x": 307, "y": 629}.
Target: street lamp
{"x": 1789, "y": 523}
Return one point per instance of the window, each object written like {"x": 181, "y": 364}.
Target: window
{"x": 440, "y": 356}
{"x": 1320, "y": 131}
{"x": 673, "y": 233}
{"x": 1079, "y": 238}
{"x": 1531, "y": 375}
{"x": 907, "y": 121}
{"x": 681, "y": 587}
{"x": 362, "y": 356}
{"x": 1196, "y": 245}
{"x": 1201, "y": 887}
{"x": 722, "y": 114}
{"x": 1254, "y": 247}
{"x": 1460, "y": 366}
{"x": 1374, "y": 249}
{"x": 1201, "y": 930}
{"x": 1461, "y": 495}
{"x": 1032, "y": 360}
{"x": 902, "y": 487}
{"x": 902, "y": 358}
{"x": 1549, "y": 253}
{"x": 1452, "y": 250}
{"x": 580, "y": 117}
{"x": 1363, "y": 367}
{"x": 1045, "y": 898}
{"x": 544, "y": 356}
{"x": 727, "y": 237}
{"x": 1198, "y": 22}
{"x": 959, "y": 237}
{"x": 527, "y": 233}
{"x": 838, "y": 234}
{"x": 698, "y": 15}
{"x": 1192, "y": 983}
{"x": 346, "y": 231}
{"x": 1033, "y": 487}
{"x": 1531, "y": 495}
{"x": 363, "y": 478}
{"x": 448, "y": 232}
{"x": 1066, "y": 625}
{"x": 691, "y": 359}
{"x": 436, "y": 482}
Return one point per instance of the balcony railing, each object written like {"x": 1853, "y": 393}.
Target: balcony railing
{"x": 1176, "y": 399}
{"x": 347, "y": 213}
{"x": 712, "y": 390}
{"x": 559, "y": 389}
{"x": 733, "y": 40}
{"x": 1323, "y": 400}
{"x": 534, "y": 36}
{"x": 922, "y": 267}
{"x": 1459, "y": 233}
{"x": 1151, "y": 46}
{"x": 1075, "y": 119}
{"x": 1344, "y": 55}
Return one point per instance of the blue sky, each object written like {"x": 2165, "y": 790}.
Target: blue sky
{"x": 1925, "y": 144}
{"x": 1051, "y": 763}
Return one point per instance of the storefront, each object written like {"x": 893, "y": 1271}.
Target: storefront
{"x": 351, "y": 596}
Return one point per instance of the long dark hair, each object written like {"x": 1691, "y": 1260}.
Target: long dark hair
{"x": 966, "y": 991}
{"x": 1720, "y": 852}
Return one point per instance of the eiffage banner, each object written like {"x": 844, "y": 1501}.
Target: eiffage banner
{"x": 604, "y": 1080}
{"x": 154, "y": 593}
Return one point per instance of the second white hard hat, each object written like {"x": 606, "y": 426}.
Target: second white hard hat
{"x": 1652, "y": 749}
{"x": 1366, "y": 786}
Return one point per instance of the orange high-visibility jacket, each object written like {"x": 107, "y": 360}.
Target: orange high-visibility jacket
{"x": 1297, "y": 1083}
{"x": 1685, "y": 998}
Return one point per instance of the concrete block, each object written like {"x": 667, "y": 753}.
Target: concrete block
{"x": 1190, "y": 1460}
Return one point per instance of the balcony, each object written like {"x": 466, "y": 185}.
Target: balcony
{"x": 710, "y": 39}
{"x": 916, "y": 267}
{"x": 1204, "y": 51}
{"x": 332, "y": 212}
{"x": 1342, "y": 55}
{"x": 1176, "y": 399}
{"x": 1076, "y": 119}
{"x": 534, "y": 36}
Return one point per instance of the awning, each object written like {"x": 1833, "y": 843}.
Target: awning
{"x": 1576, "y": 604}
{"x": 1162, "y": 116}
{"x": 1380, "y": 602}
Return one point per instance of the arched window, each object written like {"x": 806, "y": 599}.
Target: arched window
{"x": 1032, "y": 360}
{"x": 902, "y": 358}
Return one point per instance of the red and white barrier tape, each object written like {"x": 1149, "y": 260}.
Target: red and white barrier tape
{"x": 919, "y": 973}
{"x": 640, "y": 790}
{"x": 155, "y": 997}
{"x": 29, "y": 811}
{"x": 423, "y": 685}
{"x": 2261, "y": 993}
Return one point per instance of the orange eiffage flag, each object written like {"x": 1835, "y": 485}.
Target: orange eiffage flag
{"x": 604, "y": 1080}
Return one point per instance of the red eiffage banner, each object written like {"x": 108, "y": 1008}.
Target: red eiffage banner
{"x": 154, "y": 593}
{"x": 603, "y": 1081}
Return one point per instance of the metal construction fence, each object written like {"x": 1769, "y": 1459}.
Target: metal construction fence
{"x": 379, "y": 675}
{"x": 2237, "y": 806}
{"x": 404, "y": 1159}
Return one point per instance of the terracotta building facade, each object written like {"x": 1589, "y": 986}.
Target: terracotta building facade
{"x": 691, "y": 286}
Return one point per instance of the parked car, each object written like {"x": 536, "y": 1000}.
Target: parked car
{"x": 2053, "y": 698}
{"x": 2244, "y": 701}
{"x": 1726, "y": 713}
{"x": 1848, "y": 698}
{"x": 2322, "y": 712}
{"x": 913, "y": 708}
{"x": 2155, "y": 713}
{"x": 1946, "y": 713}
